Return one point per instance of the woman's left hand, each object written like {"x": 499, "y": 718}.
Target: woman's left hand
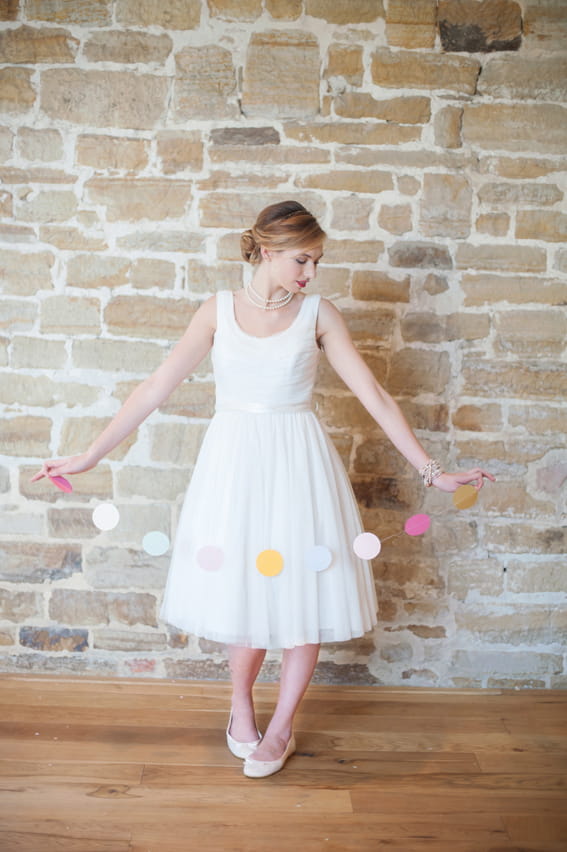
{"x": 452, "y": 481}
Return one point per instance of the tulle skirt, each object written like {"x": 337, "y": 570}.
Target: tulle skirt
{"x": 269, "y": 482}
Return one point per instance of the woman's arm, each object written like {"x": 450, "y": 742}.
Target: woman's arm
{"x": 337, "y": 344}
{"x": 183, "y": 359}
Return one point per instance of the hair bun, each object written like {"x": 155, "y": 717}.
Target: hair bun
{"x": 249, "y": 248}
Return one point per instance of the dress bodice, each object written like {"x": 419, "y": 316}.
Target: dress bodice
{"x": 265, "y": 373}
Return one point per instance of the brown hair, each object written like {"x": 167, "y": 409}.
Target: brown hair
{"x": 285, "y": 225}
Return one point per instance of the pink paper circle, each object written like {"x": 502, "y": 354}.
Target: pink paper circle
{"x": 367, "y": 545}
{"x": 417, "y": 524}
{"x": 210, "y": 558}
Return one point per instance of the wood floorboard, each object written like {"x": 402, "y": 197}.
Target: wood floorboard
{"x": 95, "y": 765}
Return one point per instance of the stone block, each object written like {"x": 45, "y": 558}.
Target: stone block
{"x": 129, "y": 640}
{"x": 70, "y": 315}
{"x": 176, "y": 443}
{"x": 405, "y": 69}
{"x": 180, "y": 152}
{"x": 166, "y": 240}
{"x": 125, "y": 568}
{"x": 40, "y": 390}
{"x": 369, "y": 285}
{"x": 125, "y": 99}
{"x": 495, "y": 224}
{"x": 7, "y": 637}
{"x": 522, "y": 168}
{"x": 33, "y": 175}
{"x": 78, "y": 433}
{"x": 25, "y": 436}
{"x": 37, "y": 45}
{"x": 469, "y": 578}
{"x": 480, "y": 26}
{"x": 54, "y": 638}
{"x": 17, "y": 93}
{"x": 504, "y": 258}
{"x": 37, "y": 562}
{"x": 45, "y": 145}
{"x": 357, "y": 251}
{"x": 345, "y": 60}
{"x": 531, "y": 332}
{"x": 86, "y": 270}
{"x": 116, "y": 356}
{"x": 235, "y": 10}
{"x": 516, "y": 127}
{"x": 515, "y": 77}
{"x": 395, "y": 218}
{"x": 408, "y": 185}
{"x": 236, "y": 137}
{"x": 169, "y": 14}
{"x": 354, "y": 133}
{"x": 209, "y": 279}
{"x": 545, "y": 26}
{"x": 155, "y": 483}
{"x": 150, "y": 272}
{"x": 17, "y": 314}
{"x": 351, "y": 213}
{"x": 524, "y": 193}
{"x": 447, "y": 127}
{"x": 534, "y": 380}
{"x": 411, "y": 25}
{"x": 148, "y": 317}
{"x": 400, "y": 652}
{"x": 132, "y": 199}
{"x": 415, "y": 371}
{"x": 204, "y": 83}
{"x": 288, "y": 9}
{"x": 360, "y": 182}
{"x": 17, "y": 606}
{"x": 435, "y": 284}
{"x": 235, "y": 210}
{"x": 518, "y": 663}
{"x": 127, "y": 46}
{"x": 23, "y": 274}
{"x": 431, "y": 418}
{"x": 523, "y": 625}
{"x": 486, "y": 289}
{"x": 404, "y": 110}
{"x": 347, "y": 674}
{"x": 548, "y": 225}
{"x": 541, "y": 420}
{"x": 6, "y": 143}
{"x": 243, "y": 181}
{"x": 419, "y": 255}
{"x": 48, "y": 206}
{"x": 95, "y": 13}
{"x": 74, "y": 523}
{"x": 379, "y": 455}
{"x": 371, "y": 326}
{"x": 446, "y": 205}
{"x": 429, "y": 327}
{"x": 69, "y": 664}
{"x": 70, "y": 606}
{"x": 343, "y": 412}
{"x": 353, "y": 12}
{"x": 68, "y": 238}
{"x": 9, "y": 10}
{"x": 97, "y": 483}
{"x": 478, "y": 418}
{"x": 281, "y": 75}
{"x": 6, "y": 204}
{"x": 109, "y": 153}
{"x": 524, "y": 538}
{"x": 545, "y": 575}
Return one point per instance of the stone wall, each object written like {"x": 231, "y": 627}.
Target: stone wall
{"x": 137, "y": 139}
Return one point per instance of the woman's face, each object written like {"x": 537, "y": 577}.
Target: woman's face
{"x": 293, "y": 269}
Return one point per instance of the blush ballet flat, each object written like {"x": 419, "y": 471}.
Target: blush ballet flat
{"x": 263, "y": 768}
{"x": 239, "y": 749}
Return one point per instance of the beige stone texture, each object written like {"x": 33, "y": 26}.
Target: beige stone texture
{"x": 353, "y": 12}
{"x": 148, "y": 317}
{"x": 127, "y": 47}
{"x": 531, "y": 332}
{"x": 494, "y": 224}
{"x": 6, "y": 204}
{"x": 78, "y": 433}
{"x": 349, "y": 181}
{"x": 420, "y": 255}
{"x": 352, "y": 133}
{"x": 150, "y": 272}
{"x": 481, "y": 289}
{"x": 17, "y": 315}
{"x": 176, "y": 443}
{"x": 37, "y": 45}
{"x": 411, "y": 24}
{"x": 478, "y": 418}
{"x": 44, "y": 392}
{"x": 155, "y": 483}
{"x": 357, "y": 251}
{"x": 25, "y": 274}
{"x": 447, "y": 127}
{"x": 104, "y": 98}
{"x": 517, "y": 77}
{"x": 158, "y": 240}
{"x": 35, "y": 562}
{"x": 379, "y": 287}
{"x": 17, "y": 93}
{"x": 435, "y": 284}
{"x": 548, "y": 225}
{"x": 405, "y": 69}
{"x": 480, "y": 25}
{"x": 235, "y": 210}
{"x": 243, "y": 181}
{"x": 434, "y": 327}
{"x": 432, "y": 418}
{"x": 285, "y": 155}
{"x": 545, "y": 26}
{"x": 180, "y": 151}
{"x": 70, "y": 315}
{"x": 408, "y": 185}
{"x": 96, "y": 13}
{"x": 57, "y": 205}
{"x": 6, "y": 142}
{"x": 9, "y": 10}
{"x": 71, "y": 606}
{"x": 128, "y": 199}
{"x": 37, "y": 353}
{"x": 522, "y": 168}
{"x": 112, "y": 152}
{"x": 235, "y": 10}
{"x": 207, "y": 279}
{"x": 446, "y": 206}
{"x": 25, "y": 436}
{"x": 516, "y": 127}
{"x": 205, "y": 80}
{"x": 69, "y": 238}
{"x": 404, "y": 110}
{"x": 345, "y": 60}
{"x": 286, "y": 9}
{"x": 536, "y": 577}
{"x": 475, "y": 576}
{"x": 414, "y": 371}
{"x": 534, "y": 380}
{"x": 281, "y": 75}
{"x": 86, "y": 270}
{"x": 113, "y": 355}
{"x": 351, "y": 213}
{"x": 169, "y": 14}
{"x": 45, "y": 145}
{"x": 506, "y": 258}
{"x": 16, "y": 606}
{"x": 539, "y": 420}
{"x": 515, "y": 194}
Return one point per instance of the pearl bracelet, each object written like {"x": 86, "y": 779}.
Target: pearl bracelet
{"x": 430, "y": 471}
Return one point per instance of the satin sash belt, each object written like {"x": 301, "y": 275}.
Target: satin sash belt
{"x": 258, "y": 408}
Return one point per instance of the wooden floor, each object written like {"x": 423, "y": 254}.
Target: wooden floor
{"x": 104, "y": 765}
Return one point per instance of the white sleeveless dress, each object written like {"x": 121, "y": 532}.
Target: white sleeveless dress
{"x": 268, "y": 478}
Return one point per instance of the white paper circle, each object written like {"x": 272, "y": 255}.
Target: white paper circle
{"x": 155, "y": 543}
{"x": 318, "y": 558}
{"x": 367, "y": 545}
{"x": 106, "y": 516}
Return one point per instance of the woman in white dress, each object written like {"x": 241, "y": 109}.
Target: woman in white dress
{"x": 263, "y": 556}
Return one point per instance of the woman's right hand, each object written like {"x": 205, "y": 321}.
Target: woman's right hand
{"x": 59, "y": 467}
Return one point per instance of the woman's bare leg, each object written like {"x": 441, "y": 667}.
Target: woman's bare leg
{"x": 245, "y": 664}
{"x": 298, "y": 665}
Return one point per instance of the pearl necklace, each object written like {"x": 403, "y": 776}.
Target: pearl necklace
{"x": 267, "y": 304}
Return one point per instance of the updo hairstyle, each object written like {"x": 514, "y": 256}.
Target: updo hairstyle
{"x": 285, "y": 225}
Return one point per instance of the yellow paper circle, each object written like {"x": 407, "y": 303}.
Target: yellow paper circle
{"x": 465, "y": 496}
{"x": 269, "y": 563}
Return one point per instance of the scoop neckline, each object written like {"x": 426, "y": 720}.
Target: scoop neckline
{"x": 266, "y": 336}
